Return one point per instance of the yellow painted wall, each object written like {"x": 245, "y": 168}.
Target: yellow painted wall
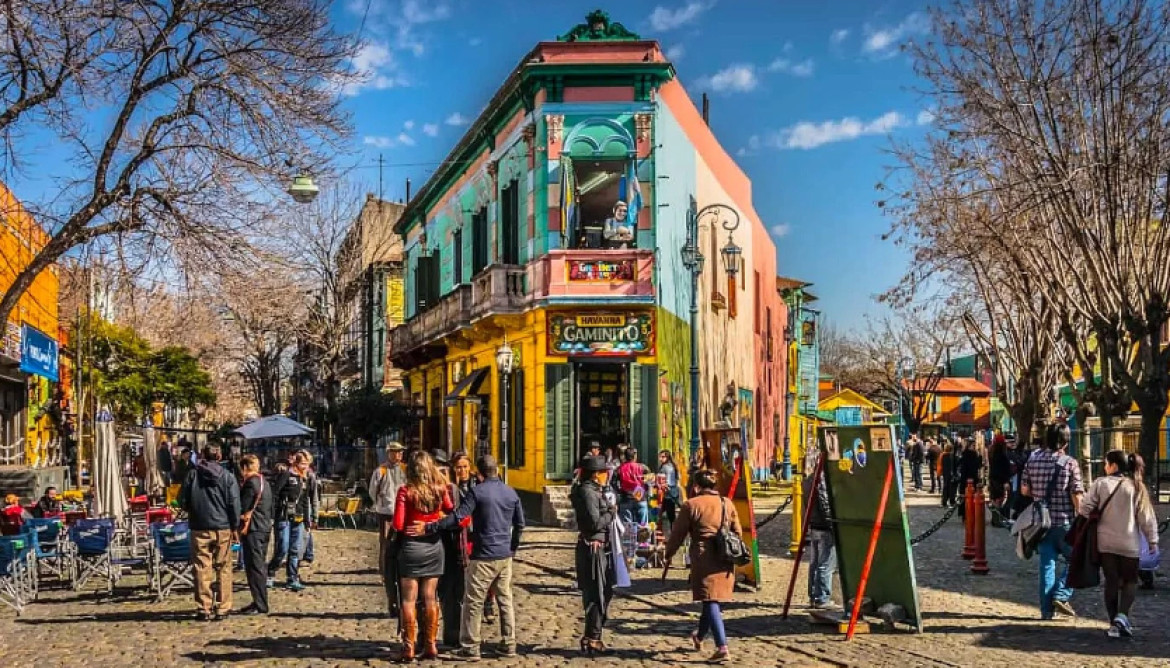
{"x": 21, "y": 237}
{"x": 476, "y": 348}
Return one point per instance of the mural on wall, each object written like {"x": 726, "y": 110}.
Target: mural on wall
{"x": 747, "y": 417}
{"x": 601, "y": 334}
{"x": 601, "y": 270}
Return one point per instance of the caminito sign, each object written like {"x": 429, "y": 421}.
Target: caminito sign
{"x": 601, "y": 334}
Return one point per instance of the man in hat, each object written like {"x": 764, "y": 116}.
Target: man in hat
{"x": 384, "y": 485}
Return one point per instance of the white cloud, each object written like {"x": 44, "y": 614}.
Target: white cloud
{"x": 739, "y": 78}
{"x": 431, "y": 129}
{"x": 663, "y": 19}
{"x": 676, "y": 52}
{"x": 925, "y": 117}
{"x": 373, "y": 67}
{"x": 808, "y": 135}
{"x": 409, "y": 125}
{"x": 378, "y": 141}
{"x": 405, "y": 139}
{"x": 788, "y": 46}
{"x": 803, "y": 68}
{"x": 457, "y": 119}
{"x": 839, "y": 35}
{"x": 397, "y": 23}
{"x": 780, "y": 230}
{"x": 884, "y": 42}
{"x": 414, "y": 12}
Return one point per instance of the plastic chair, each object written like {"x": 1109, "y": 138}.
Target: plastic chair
{"x": 170, "y": 558}
{"x": 350, "y": 511}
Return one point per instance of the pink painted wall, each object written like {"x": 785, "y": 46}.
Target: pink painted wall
{"x": 600, "y": 94}
{"x": 550, "y": 274}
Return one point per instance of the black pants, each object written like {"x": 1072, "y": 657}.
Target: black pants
{"x": 950, "y": 487}
{"x": 451, "y": 587}
{"x": 595, "y": 579}
{"x": 1121, "y": 582}
{"x": 255, "y": 549}
{"x": 390, "y": 571}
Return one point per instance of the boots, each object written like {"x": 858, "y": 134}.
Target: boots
{"x": 430, "y": 629}
{"x": 408, "y": 617}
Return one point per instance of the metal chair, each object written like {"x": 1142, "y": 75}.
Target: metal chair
{"x": 12, "y": 580}
{"x": 91, "y": 552}
{"x": 170, "y": 558}
{"x": 47, "y": 545}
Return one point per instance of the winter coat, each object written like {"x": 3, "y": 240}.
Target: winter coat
{"x": 262, "y": 515}
{"x": 593, "y": 511}
{"x": 711, "y": 578}
{"x": 211, "y": 498}
{"x": 821, "y": 512}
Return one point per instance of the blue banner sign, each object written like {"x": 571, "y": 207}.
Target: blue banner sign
{"x": 38, "y": 353}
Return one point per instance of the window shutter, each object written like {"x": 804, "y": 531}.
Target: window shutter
{"x": 558, "y": 447}
{"x": 516, "y": 427}
{"x": 644, "y": 410}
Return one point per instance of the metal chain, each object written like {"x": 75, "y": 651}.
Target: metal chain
{"x": 937, "y": 525}
{"x": 775, "y": 514}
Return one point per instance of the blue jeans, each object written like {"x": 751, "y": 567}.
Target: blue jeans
{"x": 821, "y": 566}
{"x": 1052, "y": 586}
{"x": 712, "y": 620}
{"x": 308, "y": 556}
{"x": 287, "y": 537}
{"x": 634, "y": 511}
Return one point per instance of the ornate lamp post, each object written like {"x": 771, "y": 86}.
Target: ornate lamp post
{"x": 505, "y": 360}
{"x": 302, "y": 189}
{"x": 693, "y": 260}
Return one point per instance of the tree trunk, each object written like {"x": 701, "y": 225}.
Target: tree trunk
{"x": 1153, "y": 411}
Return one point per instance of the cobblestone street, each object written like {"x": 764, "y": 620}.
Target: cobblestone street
{"x": 970, "y": 620}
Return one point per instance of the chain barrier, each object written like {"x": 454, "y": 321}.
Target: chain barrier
{"x": 775, "y": 513}
{"x": 937, "y": 525}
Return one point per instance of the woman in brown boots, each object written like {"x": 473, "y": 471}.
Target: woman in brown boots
{"x": 424, "y": 498}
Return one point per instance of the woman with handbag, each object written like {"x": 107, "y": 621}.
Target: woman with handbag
{"x": 255, "y": 530}
{"x": 710, "y": 521}
{"x": 1120, "y": 506}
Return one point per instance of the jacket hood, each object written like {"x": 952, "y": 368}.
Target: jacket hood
{"x": 208, "y": 472}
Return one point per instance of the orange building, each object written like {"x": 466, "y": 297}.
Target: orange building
{"x": 29, "y": 346}
{"x": 959, "y": 402}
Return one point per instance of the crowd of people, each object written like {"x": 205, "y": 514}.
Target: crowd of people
{"x": 448, "y": 532}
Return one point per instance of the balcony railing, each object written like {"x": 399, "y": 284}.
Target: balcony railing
{"x": 593, "y": 274}
{"x": 451, "y": 313}
{"x": 499, "y": 290}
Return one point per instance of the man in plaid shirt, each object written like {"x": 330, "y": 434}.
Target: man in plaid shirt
{"x": 1045, "y": 464}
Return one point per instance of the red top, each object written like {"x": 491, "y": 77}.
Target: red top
{"x": 406, "y": 512}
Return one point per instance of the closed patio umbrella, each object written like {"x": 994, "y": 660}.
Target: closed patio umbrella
{"x": 109, "y": 498}
{"x": 155, "y": 485}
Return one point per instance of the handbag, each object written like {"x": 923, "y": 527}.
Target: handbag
{"x": 1085, "y": 561}
{"x": 246, "y": 518}
{"x": 729, "y": 547}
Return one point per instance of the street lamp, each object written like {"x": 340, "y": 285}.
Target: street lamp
{"x": 903, "y": 365}
{"x": 302, "y": 189}
{"x": 693, "y": 260}
{"x": 505, "y": 359}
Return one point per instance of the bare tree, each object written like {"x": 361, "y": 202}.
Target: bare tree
{"x": 203, "y": 103}
{"x": 1052, "y": 136}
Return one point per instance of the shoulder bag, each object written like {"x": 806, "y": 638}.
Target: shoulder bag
{"x": 729, "y": 547}
{"x": 1085, "y": 561}
{"x": 246, "y": 518}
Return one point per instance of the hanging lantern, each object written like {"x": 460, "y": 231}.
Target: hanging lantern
{"x": 303, "y": 190}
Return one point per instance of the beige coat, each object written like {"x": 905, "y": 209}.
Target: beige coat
{"x": 711, "y": 579}
{"x": 1117, "y": 530}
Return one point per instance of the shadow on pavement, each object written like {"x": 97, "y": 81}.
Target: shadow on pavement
{"x": 114, "y": 617}
{"x": 300, "y": 648}
{"x": 1040, "y": 637}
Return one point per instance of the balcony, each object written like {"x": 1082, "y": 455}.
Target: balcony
{"x": 593, "y": 274}
{"x": 501, "y": 289}
{"x": 452, "y": 313}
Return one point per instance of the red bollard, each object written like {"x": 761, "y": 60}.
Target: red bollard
{"x": 979, "y": 565}
{"x": 969, "y": 521}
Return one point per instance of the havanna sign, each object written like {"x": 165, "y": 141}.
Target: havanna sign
{"x": 600, "y": 334}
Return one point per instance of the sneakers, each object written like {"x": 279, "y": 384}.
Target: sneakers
{"x": 271, "y": 583}
{"x": 821, "y": 605}
{"x": 1121, "y": 627}
{"x": 296, "y": 586}
{"x": 721, "y": 655}
{"x": 507, "y": 651}
{"x": 1064, "y": 608}
{"x": 466, "y": 654}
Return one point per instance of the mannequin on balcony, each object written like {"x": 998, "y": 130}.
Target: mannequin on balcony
{"x": 618, "y": 231}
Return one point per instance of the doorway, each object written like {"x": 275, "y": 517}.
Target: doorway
{"x": 603, "y": 405}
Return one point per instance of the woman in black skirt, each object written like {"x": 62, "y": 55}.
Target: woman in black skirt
{"x": 595, "y": 513}
{"x": 424, "y": 498}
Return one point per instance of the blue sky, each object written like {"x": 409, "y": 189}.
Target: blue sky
{"x": 805, "y": 94}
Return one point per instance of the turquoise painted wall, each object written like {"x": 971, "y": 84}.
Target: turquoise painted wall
{"x": 674, "y": 175}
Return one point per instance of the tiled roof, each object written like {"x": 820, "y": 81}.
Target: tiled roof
{"x": 951, "y": 386}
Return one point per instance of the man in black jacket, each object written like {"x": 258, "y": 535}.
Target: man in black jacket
{"x": 822, "y": 546}
{"x": 256, "y": 500}
{"x": 212, "y": 501}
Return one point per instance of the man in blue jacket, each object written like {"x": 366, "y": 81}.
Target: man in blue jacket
{"x": 497, "y": 521}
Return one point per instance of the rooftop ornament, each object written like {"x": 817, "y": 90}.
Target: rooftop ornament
{"x": 598, "y": 28}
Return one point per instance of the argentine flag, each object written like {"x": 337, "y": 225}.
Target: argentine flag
{"x": 630, "y": 191}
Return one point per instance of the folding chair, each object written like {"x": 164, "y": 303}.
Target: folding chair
{"x": 12, "y": 587}
{"x": 170, "y": 558}
{"x": 47, "y": 545}
{"x": 92, "y": 553}
{"x": 349, "y": 510}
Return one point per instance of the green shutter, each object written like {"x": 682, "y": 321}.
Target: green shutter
{"x": 517, "y": 436}
{"x": 644, "y": 410}
{"x": 558, "y": 447}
